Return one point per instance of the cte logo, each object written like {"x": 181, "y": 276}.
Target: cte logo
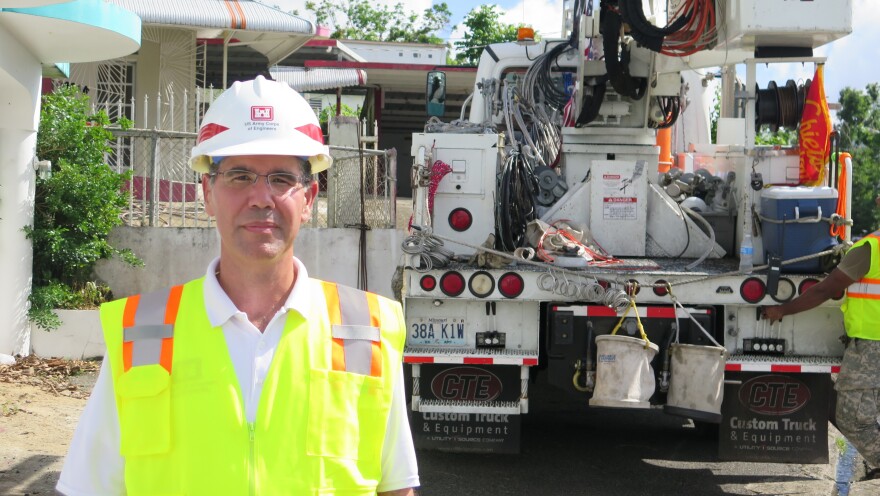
{"x": 774, "y": 395}
{"x": 262, "y": 113}
{"x": 466, "y": 384}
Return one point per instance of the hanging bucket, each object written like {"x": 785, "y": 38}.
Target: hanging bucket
{"x": 696, "y": 385}
{"x": 624, "y": 377}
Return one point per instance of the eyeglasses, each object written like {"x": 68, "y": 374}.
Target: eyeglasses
{"x": 280, "y": 183}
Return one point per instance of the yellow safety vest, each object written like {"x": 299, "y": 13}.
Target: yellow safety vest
{"x": 861, "y": 310}
{"x": 322, "y": 416}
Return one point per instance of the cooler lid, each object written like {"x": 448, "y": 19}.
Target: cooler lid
{"x": 798, "y": 192}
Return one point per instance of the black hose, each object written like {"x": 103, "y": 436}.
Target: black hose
{"x": 647, "y": 34}
{"x": 515, "y": 208}
{"x": 616, "y": 60}
{"x": 591, "y": 104}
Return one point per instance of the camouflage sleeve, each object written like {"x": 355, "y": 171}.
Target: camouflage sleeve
{"x": 856, "y": 262}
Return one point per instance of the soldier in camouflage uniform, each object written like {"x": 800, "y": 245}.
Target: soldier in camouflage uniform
{"x": 858, "y": 384}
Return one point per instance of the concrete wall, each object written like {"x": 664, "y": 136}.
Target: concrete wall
{"x": 176, "y": 255}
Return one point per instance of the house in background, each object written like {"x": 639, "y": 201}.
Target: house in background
{"x": 392, "y": 93}
{"x": 185, "y": 52}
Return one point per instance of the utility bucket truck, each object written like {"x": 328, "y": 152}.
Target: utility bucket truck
{"x": 556, "y": 246}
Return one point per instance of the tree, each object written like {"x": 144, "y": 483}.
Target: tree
{"x": 330, "y": 111}
{"x": 484, "y": 27}
{"x": 75, "y": 209}
{"x": 858, "y": 120}
{"x": 363, "y": 20}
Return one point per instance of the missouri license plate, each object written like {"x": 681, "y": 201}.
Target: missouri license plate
{"x": 447, "y": 331}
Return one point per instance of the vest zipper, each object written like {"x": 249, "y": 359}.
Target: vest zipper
{"x": 252, "y": 461}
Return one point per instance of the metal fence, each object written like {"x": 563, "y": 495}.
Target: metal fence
{"x": 360, "y": 188}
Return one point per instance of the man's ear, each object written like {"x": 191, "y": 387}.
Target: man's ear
{"x": 206, "y": 194}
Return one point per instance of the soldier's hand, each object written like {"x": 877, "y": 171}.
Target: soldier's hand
{"x": 772, "y": 313}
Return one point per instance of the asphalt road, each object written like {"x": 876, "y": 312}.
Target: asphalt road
{"x": 579, "y": 451}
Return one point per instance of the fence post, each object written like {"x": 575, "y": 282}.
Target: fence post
{"x": 391, "y": 186}
{"x": 154, "y": 193}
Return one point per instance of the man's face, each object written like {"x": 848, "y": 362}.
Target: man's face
{"x": 255, "y": 223}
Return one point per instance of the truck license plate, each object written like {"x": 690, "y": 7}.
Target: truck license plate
{"x": 437, "y": 331}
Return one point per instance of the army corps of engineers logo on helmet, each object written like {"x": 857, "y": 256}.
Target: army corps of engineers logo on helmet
{"x": 262, "y": 113}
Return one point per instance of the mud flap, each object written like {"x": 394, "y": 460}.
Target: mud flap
{"x": 775, "y": 417}
{"x": 468, "y": 408}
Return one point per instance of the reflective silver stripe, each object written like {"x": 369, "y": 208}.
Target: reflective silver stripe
{"x": 865, "y": 288}
{"x": 363, "y": 333}
{"x": 356, "y": 332}
{"x": 140, "y": 332}
{"x": 354, "y": 309}
{"x": 146, "y": 352}
{"x": 151, "y": 309}
{"x": 149, "y": 329}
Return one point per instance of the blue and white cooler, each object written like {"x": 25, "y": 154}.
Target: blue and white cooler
{"x": 793, "y": 223}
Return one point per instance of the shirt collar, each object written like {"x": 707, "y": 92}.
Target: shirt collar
{"x": 220, "y": 308}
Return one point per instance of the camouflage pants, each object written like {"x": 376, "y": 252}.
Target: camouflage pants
{"x": 857, "y": 419}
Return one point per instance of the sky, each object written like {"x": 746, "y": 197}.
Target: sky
{"x": 853, "y": 61}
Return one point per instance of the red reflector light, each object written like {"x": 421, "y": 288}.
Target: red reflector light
{"x": 460, "y": 219}
{"x": 452, "y": 284}
{"x": 428, "y": 283}
{"x": 511, "y": 285}
{"x": 753, "y": 290}
{"x": 660, "y": 288}
{"x": 807, "y": 284}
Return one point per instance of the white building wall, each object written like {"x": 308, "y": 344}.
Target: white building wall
{"x": 20, "y": 78}
{"x": 399, "y": 53}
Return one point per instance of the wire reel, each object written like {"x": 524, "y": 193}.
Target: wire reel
{"x": 778, "y": 106}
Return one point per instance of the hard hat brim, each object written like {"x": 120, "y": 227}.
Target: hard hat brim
{"x": 319, "y": 156}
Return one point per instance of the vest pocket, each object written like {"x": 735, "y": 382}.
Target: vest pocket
{"x": 145, "y": 410}
{"x": 344, "y": 410}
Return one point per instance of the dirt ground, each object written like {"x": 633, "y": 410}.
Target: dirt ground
{"x": 40, "y": 405}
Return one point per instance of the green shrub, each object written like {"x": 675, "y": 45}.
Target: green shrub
{"x": 75, "y": 209}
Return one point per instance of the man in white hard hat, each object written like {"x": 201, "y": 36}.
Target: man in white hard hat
{"x": 254, "y": 379}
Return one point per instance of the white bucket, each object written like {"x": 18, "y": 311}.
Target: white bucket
{"x": 696, "y": 384}
{"x": 624, "y": 377}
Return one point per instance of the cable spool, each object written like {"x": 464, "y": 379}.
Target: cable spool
{"x": 780, "y": 106}
{"x": 766, "y": 107}
{"x": 787, "y": 97}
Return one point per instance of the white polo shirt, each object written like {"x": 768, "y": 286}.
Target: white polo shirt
{"x": 94, "y": 466}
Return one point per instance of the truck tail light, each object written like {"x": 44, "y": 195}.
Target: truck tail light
{"x": 460, "y": 219}
{"x": 511, "y": 285}
{"x": 753, "y": 290}
{"x": 428, "y": 283}
{"x": 452, "y": 283}
{"x": 807, "y": 284}
{"x": 660, "y": 288}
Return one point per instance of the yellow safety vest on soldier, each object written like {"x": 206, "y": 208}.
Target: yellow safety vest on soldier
{"x": 322, "y": 415}
{"x": 861, "y": 309}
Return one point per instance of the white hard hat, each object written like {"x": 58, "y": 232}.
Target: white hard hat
{"x": 260, "y": 117}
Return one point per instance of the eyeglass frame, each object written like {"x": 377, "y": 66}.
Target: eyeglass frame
{"x": 302, "y": 180}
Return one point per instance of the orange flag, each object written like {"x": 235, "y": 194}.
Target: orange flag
{"x": 814, "y": 131}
